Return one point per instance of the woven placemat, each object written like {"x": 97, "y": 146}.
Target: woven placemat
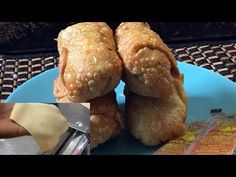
{"x": 15, "y": 70}
{"x": 219, "y": 58}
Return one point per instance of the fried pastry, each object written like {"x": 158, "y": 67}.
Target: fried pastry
{"x": 149, "y": 66}
{"x": 105, "y": 120}
{"x": 153, "y": 120}
{"x": 89, "y": 64}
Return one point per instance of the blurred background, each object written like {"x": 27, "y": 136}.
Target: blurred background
{"x": 36, "y": 36}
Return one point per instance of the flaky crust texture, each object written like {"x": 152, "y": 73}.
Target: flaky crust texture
{"x": 89, "y": 64}
{"x": 152, "y": 120}
{"x": 106, "y": 120}
{"x": 149, "y": 66}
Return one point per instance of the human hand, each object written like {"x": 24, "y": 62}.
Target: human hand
{"x": 9, "y": 128}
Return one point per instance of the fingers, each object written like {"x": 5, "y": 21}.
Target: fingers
{"x": 5, "y": 110}
{"x": 10, "y": 129}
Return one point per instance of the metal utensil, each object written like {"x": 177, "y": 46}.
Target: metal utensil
{"x": 77, "y": 116}
{"x": 75, "y": 140}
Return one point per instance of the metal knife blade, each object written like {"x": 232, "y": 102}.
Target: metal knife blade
{"x": 78, "y": 116}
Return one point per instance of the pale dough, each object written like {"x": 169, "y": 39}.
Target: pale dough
{"x": 87, "y": 105}
{"x": 43, "y": 121}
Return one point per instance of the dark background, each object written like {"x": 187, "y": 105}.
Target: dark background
{"x": 25, "y": 37}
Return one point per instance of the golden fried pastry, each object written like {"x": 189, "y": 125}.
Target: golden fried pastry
{"x": 149, "y": 66}
{"x": 105, "y": 120}
{"x": 89, "y": 64}
{"x": 153, "y": 120}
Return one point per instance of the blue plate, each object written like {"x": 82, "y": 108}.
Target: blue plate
{"x": 205, "y": 90}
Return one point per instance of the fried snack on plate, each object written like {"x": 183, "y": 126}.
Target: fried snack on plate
{"x": 153, "y": 120}
{"x": 149, "y": 66}
{"x": 89, "y": 64}
{"x": 105, "y": 119}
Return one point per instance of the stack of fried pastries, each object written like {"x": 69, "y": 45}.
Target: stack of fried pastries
{"x": 155, "y": 97}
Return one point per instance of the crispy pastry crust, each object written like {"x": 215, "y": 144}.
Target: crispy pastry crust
{"x": 153, "y": 120}
{"x": 149, "y": 66}
{"x": 89, "y": 64}
{"x": 105, "y": 120}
